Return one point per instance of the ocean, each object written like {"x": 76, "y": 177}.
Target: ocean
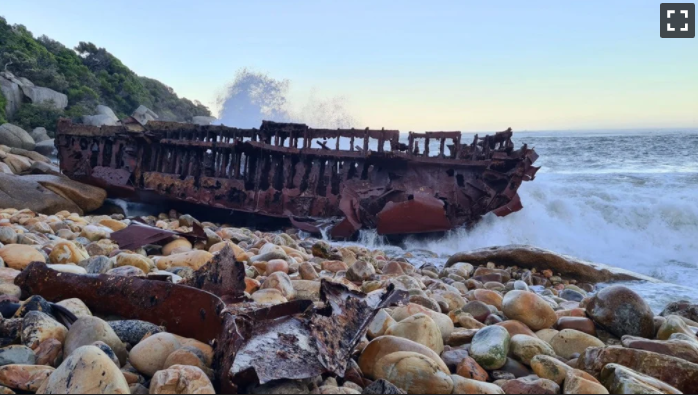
{"x": 623, "y": 198}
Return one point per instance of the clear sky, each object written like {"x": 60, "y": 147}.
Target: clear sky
{"x": 411, "y": 65}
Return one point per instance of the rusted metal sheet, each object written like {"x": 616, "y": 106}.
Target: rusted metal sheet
{"x": 138, "y": 234}
{"x": 292, "y": 171}
{"x": 294, "y": 340}
{"x": 182, "y": 310}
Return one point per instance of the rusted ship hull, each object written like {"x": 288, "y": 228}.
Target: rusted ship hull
{"x": 295, "y": 172}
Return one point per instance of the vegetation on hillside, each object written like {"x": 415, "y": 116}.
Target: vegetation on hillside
{"x": 88, "y": 75}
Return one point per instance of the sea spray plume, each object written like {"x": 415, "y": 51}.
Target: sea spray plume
{"x": 325, "y": 113}
{"x": 254, "y": 97}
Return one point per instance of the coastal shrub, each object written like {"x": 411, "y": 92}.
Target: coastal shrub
{"x": 31, "y": 116}
{"x": 88, "y": 75}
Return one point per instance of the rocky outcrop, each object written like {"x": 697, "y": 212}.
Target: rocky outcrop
{"x": 530, "y": 257}
{"x": 13, "y": 94}
{"x": 104, "y": 117}
{"x": 16, "y": 137}
{"x": 48, "y": 194}
{"x": 39, "y": 135}
{"x": 45, "y": 96}
{"x": 46, "y": 147}
{"x": 143, "y": 115}
{"x": 673, "y": 371}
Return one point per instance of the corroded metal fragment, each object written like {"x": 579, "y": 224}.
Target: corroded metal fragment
{"x": 253, "y": 344}
{"x": 291, "y": 171}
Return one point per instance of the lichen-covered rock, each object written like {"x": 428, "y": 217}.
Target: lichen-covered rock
{"x": 525, "y": 348}
{"x": 490, "y": 347}
{"x": 678, "y": 373}
{"x": 87, "y": 370}
{"x": 38, "y": 326}
{"x": 622, "y": 380}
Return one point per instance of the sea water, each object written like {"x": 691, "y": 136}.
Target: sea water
{"x": 623, "y": 198}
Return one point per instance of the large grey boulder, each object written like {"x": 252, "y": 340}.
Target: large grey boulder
{"x": 16, "y": 137}
{"x": 202, "y": 120}
{"x": 12, "y": 92}
{"x": 99, "y": 120}
{"x": 46, "y": 147}
{"x": 104, "y": 110}
{"x": 143, "y": 115}
{"x": 104, "y": 116}
{"x": 46, "y": 96}
{"x": 39, "y": 135}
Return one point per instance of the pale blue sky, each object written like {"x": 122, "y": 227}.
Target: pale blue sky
{"x": 412, "y": 65}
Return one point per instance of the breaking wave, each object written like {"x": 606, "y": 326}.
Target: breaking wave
{"x": 253, "y": 97}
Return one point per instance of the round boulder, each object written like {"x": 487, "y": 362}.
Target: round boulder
{"x": 622, "y": 312}
{"x": 88, "y": 330}
{"x": 530, "y": 309}
{"x": 87, "y": 370}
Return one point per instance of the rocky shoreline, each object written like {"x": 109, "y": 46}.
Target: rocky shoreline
{"x": 504, "y": 320}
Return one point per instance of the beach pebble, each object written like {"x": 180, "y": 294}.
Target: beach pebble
{"x": 67, "y": 252}
{"x": 176, "y": 246}
{"x": 17, "y": 355}
{"x": 414, "y": 373}
{"x": 38, "y": 326}
{"x": 530, "y": 309}
{"x": 180, "y": 379}
{"x": 360, "y": 271}
{"x": 462, "y": 385}
{"x": 19, "y": 256}
{"x": 524, "y": 348}
{"x": 576, "y": 383}
{"x": 49, "y": 352}
{"x": 24, "y": 377}
{"x": 622, "y": 312}
{"x": 384, "y": 345}
{"x": 126, "y": 271}
{"x": 470, "y": 369}
{"x": 150, "y": 354}
{"x": 135, "y": 260}
{"x": 531, "y": 385}
{"x": 192, "y": 259}
{"x": 88, "y": 370}
{"x": 488, "y": 297}
{"x": 87, "y": 330}
{"x": 380, "y": 323}
{"x": 280, "y": 282}
{"x": 490, "y": 347}
{"x": 419, "y": 328}
{"x": 569, "y": 342}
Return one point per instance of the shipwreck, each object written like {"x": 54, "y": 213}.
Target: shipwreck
{"x": 338, "y": 181}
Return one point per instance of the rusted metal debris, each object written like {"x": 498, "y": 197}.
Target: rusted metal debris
{"x": 294, "y": 340}
{"x": 138, "y": 234}
{"x": 285, "y": 170}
